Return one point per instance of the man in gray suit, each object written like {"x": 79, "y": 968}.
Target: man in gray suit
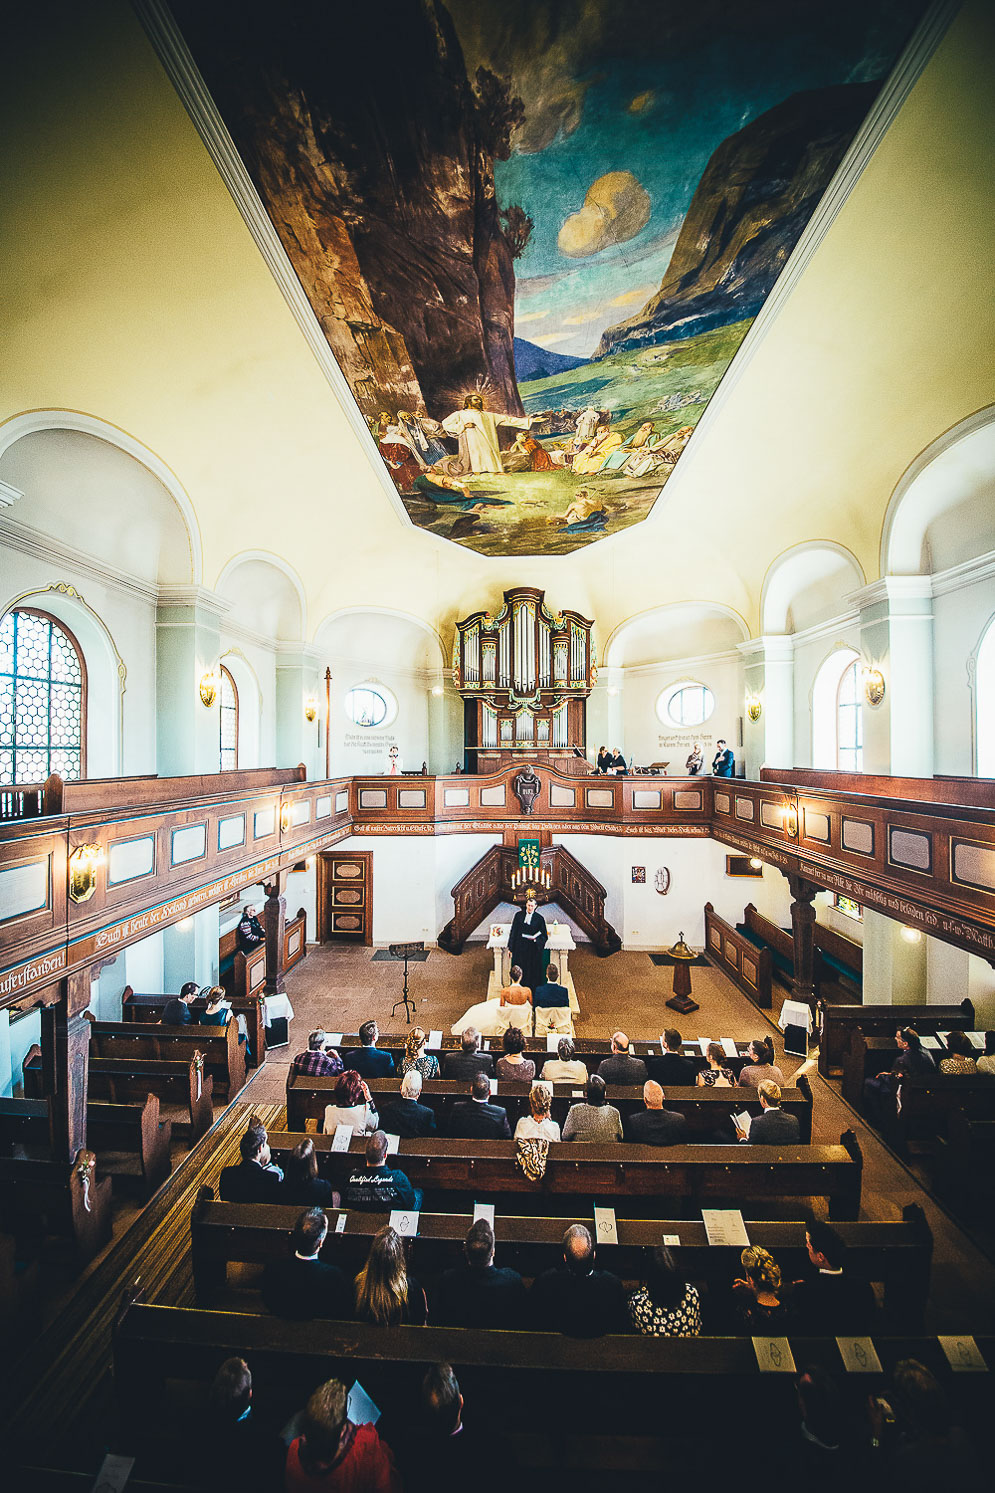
{"x": 773, "y": 1127}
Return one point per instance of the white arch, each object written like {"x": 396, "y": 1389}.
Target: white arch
{"x": 661, "y": 611}
{"x": 797, "y": 567}
{"x": 250, "y": 705}
{"x": 915, "y": 501}
{"x": 825, "y": 687}
{"x": 267, "y": 557}
{"x": 981, "y": 679}
{"x": 32, "y": 421}
{"x": 358, "y": 611}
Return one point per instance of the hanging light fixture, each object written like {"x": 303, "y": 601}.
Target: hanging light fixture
{"x": 83, "y": 864}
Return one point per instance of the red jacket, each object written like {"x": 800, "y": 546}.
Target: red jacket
{"x": 366, "y": 1466}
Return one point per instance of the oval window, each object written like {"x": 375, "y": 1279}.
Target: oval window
{"x": 688, "y": 705}
{"x": 366, "y": 706}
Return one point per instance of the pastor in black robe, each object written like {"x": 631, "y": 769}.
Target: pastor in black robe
{"x": 527, "y": 943}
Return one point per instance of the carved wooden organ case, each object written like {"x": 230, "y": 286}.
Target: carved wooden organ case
{"x": 525, "y": 676}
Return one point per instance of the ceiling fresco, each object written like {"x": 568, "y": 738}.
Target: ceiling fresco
{"x": 535, "y": 232}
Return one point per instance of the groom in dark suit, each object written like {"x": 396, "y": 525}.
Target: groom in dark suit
{"x": 527, "y": 943}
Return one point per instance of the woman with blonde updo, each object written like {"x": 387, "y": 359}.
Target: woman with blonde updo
{"x": 759, "y": 1303}
{"x": 416, "y": 1059}
{"x": 538, "y": 1125}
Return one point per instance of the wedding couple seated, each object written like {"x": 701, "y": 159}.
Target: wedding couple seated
{"x": 513, "y": 1006}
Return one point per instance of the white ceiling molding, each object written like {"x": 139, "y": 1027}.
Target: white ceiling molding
{"x": 970, "y": 573}
{"x": 44, "y": 547}
{"x": 9, "y": 494}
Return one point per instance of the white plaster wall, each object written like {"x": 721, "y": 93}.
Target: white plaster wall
{"x": 358, "y": 749}
{"x": 960, "y": 618}
{"x": 981, "y": 990}
{"x": 413, "y": 878}
{"x": 810, "y": 655}
{"x": 648, "y": 739}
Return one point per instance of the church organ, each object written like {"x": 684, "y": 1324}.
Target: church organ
{"x": 525, "y": 676}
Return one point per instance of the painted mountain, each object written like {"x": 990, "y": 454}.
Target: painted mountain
{"x": 535, "y": 232}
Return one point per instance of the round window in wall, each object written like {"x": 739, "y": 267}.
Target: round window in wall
{"x": 370, "y": 705}
{"x": 687, "y": 705}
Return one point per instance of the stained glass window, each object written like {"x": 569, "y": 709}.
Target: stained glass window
{"x": 42, "y": 699}
{"x": 229, "y": 722}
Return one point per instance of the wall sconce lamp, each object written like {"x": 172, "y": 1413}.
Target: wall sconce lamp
{"x": 437, "y": 690}
{"x": 791, "y": 821}
{"x": 210, "y": 684}
{"x": 612, "y": 691}
{"x": 83, "y": 864}
{"x": 912, "y": 935}
{"x": 286, "y": 816}
{"x": 756, "y": 863}
{"x": 873, "y": 686}
{"x": 754, "y": 708}
{"x": 310, "y": 709}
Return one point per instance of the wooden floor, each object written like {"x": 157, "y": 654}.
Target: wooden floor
{"x": 58, "y": 1391}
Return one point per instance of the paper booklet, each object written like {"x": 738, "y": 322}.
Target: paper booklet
{"x": 435, "y": 1039}
{"x": 485, "y": 1211}
{"x": 724, "y": 1227}
{"x": 342, "y": 1138}
{"x": 729, "y": 1047}
{"x": 743, "y": 1121}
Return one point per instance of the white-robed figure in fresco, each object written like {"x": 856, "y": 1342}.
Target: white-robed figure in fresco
{"x": 477, "y": 432}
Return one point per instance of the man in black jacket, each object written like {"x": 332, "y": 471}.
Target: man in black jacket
{"x": 256, "y": 1179}
{"x": 911, "y": 1062}
{"x": 477, "y": 1119}
{"x": 576, "y": 1299}
{"x": 479, "y": 1293}
{"x": 468, "y": 1061}
{"x": 673, "y": 1070}
{"x": 177, "y": 1012}
{"x": 304, "y": 1286}
{"x": 405, "y": 1116}
{"x": 773, "y": 1127}
{"x": 378, "y": 1187}
{"x": 829, "y": 1301}
{"x": 622, "y": 1067}
{"x": 656, "y": 1126}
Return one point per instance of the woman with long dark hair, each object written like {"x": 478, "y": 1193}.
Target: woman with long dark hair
{"x": 386, "y": 1294}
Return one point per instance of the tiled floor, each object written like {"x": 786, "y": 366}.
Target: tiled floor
{"x": 337, "y": 987}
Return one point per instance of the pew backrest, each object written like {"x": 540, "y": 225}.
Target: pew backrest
{"x": 220, "y": 1047}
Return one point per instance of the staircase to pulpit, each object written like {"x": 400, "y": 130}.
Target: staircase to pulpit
{"x": 489, "y": 882}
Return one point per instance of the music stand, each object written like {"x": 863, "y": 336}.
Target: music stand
{"x": 404, "y": 951}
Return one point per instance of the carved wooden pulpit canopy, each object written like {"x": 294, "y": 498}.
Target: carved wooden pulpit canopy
{"x": 525, "y": 675}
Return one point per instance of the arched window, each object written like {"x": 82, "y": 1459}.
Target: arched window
{"x": 370, "y": 707}
{"x": 849, "y": 721}
{"x": 228, "y": 727}
{"x": 42, "y": 699}
{"x": 984, "y": 703}
{"x": 685, "y": 705}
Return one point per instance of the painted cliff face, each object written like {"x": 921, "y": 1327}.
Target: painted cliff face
{"x": 535, "y": 232}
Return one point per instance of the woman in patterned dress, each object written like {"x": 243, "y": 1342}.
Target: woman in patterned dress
{"x": 667, "y": 1305}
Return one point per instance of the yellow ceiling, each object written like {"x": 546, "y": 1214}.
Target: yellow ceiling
{"x": 136, "y": 294}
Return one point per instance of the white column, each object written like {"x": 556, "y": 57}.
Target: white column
{"x": 769, "y": 681}
{"x": 297, "y": 680}
{"x": 896, "y": 636}
{"x": 894, "y": 966}
{"x": 188, "y": 644}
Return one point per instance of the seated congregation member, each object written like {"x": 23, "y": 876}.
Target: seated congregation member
{"x": 760, "y": 1064}
{"x": 437, "y": 1451}
{"x": 304, "y": 1286}
{"x": 622, "y": 1068}
{"x": 551, "y": 1005}
{"x": 386, "y": 1294}
{"x": 960, "y": 1057}
{"x": 516, "y": 994}
{"x": 666, "y": 1305}
{"x": 828, "y": 1300}
{"x": 716, "y": 1075}
{"x": 595, "y": 1119}
{"x": 319, "y": 1060}
{"x": 177, "y": 1012}
{"x": 416, "y": 1058}
{"x": 368, "y": 1060}
{"x": 351, "y": 1105}
{"x": 574, "y": 1298}
{"x": 511, "y": 1067}
{"x": 673, "y": 1069}
{"x": 405, "y": 1116}
{"x": 479, "y": 1293}
{"x": 772, "y": 1127}
{"x": 216, "y": 1012}
{"x": 256, "y": 1178}
{"x": 332, "y": 1454}
{"x": 760, "y": 1305}
{"x": 817, "y": 1452}
{"x": 538, "y": 1125}
{"x": 469, "y": 1060}
{"x": 378, "y": 1187}
{"x": 656, "y": 1126}
{"x": 476, "y": 1118}
{"x": 618, "y": 761}
{"x": 925, "y": 1448}
{"x": 565, "y": 1068}
{"x": 986, "y": 1063}
{"x": 881, "y": 1089}
{"x": 249, "y": 933}
{"x": 301, "y": 1183}
{"x": 232, "y": 1448}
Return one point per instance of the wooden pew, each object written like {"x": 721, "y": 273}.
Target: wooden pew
{"x": 71, "y": 1200}
{"x": 695, "y": 1175}
{"x": 927, "y": 1101}
{"x": 131, "y": 1139}
{"x": 619, "y": 1382}
{"x": 765, "y": 934}
{"x": 898, "y": 1255}
{"x": 147, "y": 1010}
{"x": 590, "y": 1050}
{"x": 837, "y": 1023}
{"x": 224, "y": 1059}
{"x": 748, "y": 966}
{"x": 703, "y": 1108}
{"x": 964, "y": 1166}
{"x": 838, "y": 958}
{"x": 183, "y": 1088}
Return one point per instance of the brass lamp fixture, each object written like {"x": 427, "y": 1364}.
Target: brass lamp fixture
{"x": 83, "y": 864}
{"x": 310, "y": 709}
{"x": 756, "y": 863}
{"x": 873, "y": 686}
{"x": 680, "y": 950}
{"x": 286, "y": 816}
{"x": 209, "y": 687}
{"x": 754, "y": 707}
{"x": 791, "y": 821}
